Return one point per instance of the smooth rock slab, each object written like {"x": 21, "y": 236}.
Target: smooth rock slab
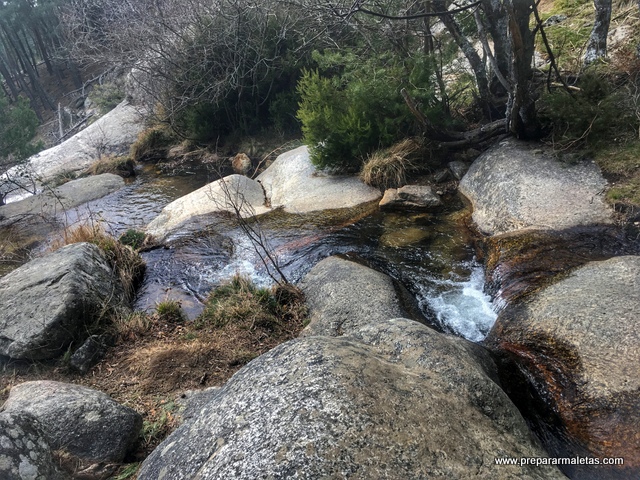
{"x": 343, "y": 296}
{"x": 396, "y": 401}
{"x": 219, "y": 196}
{"x": 25, "y": 454}
{"x": 112, "y": 133}
{"x": 579, "y": 339}
{"x": 292, "y": 182}
{"x": 83, "y": 422}
{"x": 515, "y": 185}
{"x": 50, "y": 301}
{"x": 65, "y": 197}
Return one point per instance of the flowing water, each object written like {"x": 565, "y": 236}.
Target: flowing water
{"x": 429, "y": 254}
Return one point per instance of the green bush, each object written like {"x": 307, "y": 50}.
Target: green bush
{"x": 588, "y": 118}
{"x": 17, "y": 130}
{"x": 355, "y": 106}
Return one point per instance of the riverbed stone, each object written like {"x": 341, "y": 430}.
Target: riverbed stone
{"x": 111, "y": 134}
{"x": 52, "y": 202}
{"x": 410, "y": 197}
{"x": 579, "y": 340}
{"x": 394, "y": 400}
{"x": 25, "y": 454}
{"x": 83, "y": 422}
{"x": 293, "y": 183}
{"x": 343, "y": 295}
{"x": 517, "y": 185}
{"x": 51, "y": 301}
{"x": 217, "y": 197}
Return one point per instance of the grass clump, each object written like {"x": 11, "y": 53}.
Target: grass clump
{"x": 152, "y": 144}
{"x": 132, "y": 238}
{"x": 242, "y": 303}
{"x": 125, "y": 262}
{"x": 620, "y": 164}
{"x": 122, "y": 166}
{"x": 388, "y": 168}
{"x": 170, "y": 311}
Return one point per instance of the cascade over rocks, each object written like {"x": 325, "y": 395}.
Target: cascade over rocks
{"x": 579, "y": 339}
{"x": 50, "y": 301}
{"x": 24, "y": 451}
{"x": 83, "y": 422}
{"x": 390, "y": 398}
{"x": 516, "y": 185}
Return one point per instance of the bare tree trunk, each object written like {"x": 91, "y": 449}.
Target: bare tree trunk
{"x": 597, "y": 44}
{"x": 470, "y": 53}
{"x": 521, "y": 112}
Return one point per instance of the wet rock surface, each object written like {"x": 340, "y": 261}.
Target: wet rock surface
{"x": 392, "y": 400}
{"x": 579, "y": 342}
{"x": 83, "y": 422}
{"x": 51, "y": 301}
{"x": 516, "y": 185}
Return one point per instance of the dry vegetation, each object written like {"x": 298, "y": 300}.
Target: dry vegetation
{"x": 124, "y": 260}
{"x": 157, "y": 356}
{"x": 389, "y": 168}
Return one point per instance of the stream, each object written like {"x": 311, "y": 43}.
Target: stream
{"x": 429, "y": 254}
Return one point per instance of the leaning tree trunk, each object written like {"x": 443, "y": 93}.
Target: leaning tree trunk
{"x": 597, "y": 44}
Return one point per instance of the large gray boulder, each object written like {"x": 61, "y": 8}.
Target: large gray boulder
{"x": 579, "y": 340}
{"x": 292, "y": 182}
{"x": 224, "y": 195}
{"x": 25, "y": 454}
{"x": 49, "y": 203}
{"x": 112, "y": 133}
{"x": 516, "y": 185}
{"x": 83, "y": 422}
{"x": 51, "y": 301}
{"x": 394, "y": 400}
{"x": 342, "y": 296}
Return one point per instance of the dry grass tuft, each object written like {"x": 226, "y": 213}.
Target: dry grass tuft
{"x": 122, "y": 166}
{"x": 152, "y": 145}
{"x": 126, "y": 263}
{"x": 388, "y": 168}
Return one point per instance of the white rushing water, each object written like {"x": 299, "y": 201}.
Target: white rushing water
{"x": 461, "y": 306}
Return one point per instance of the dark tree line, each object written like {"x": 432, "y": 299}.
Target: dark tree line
{"x": 30, "y": 35}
